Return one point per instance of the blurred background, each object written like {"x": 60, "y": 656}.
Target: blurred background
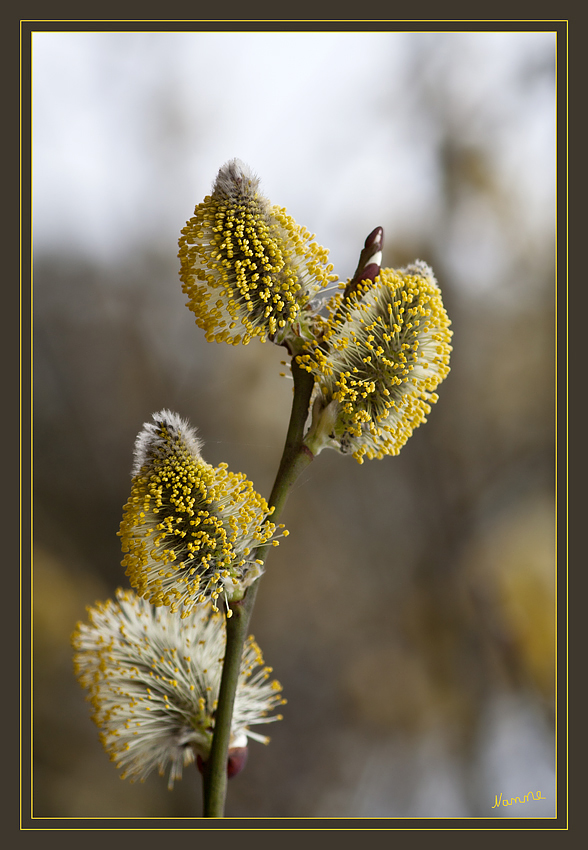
{"x": 410, "y": 614}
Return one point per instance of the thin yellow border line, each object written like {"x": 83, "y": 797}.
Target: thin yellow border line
{"x": 567, "y": 433}
{"x": 20, "y": 424}
{"x": 298, "y": 20}
{"x": 555, "y": 429}
{"x": 31, "y": 411}
{"x": 347, "y": 829}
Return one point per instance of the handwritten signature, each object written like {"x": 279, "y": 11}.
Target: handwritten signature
{"x": 514, "y": 800}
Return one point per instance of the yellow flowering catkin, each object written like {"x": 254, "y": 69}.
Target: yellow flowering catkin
{"x": 153, "y": 681}
{"x": 247, "y": 268}
{"x": 189, "y": 529}
{"x": 385, "y": 352}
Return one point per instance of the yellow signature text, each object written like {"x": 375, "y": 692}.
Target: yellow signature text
{"x": 514, "y": 800}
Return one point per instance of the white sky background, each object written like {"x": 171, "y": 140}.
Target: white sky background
{"x": 129, "y": 130}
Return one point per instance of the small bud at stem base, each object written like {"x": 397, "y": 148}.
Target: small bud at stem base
{"x": 236, "y": 761}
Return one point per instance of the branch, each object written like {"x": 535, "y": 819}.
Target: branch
{"x": 295, "y": 458}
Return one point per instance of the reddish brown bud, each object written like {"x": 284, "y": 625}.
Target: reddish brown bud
{"x": 235, "y": 763}
{"x": 369, "y": 260}
{"x": 371, "y": 271}
{"x": 376, "y": 239}
{"x": 237, "y": 760}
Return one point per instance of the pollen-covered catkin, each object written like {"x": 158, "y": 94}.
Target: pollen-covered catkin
{"x": 153, "y": 680}
{"x": 247, "y": 268}
{"x": 189, "y": 530}
{"x": 385, "y": 351}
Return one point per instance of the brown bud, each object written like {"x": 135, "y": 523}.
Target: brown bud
{"x": 366, "y": 269}
{"x": 371, "y": 271}
{"x": 235, "y": 762}
{"x": 375, "y": 240}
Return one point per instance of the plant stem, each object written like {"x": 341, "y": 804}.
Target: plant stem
{"x": 295, "y": 458}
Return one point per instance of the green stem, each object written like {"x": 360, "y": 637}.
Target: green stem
{"x": 295, "y": 458}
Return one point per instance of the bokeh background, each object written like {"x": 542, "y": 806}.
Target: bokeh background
{"x": 410, "y": 614}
